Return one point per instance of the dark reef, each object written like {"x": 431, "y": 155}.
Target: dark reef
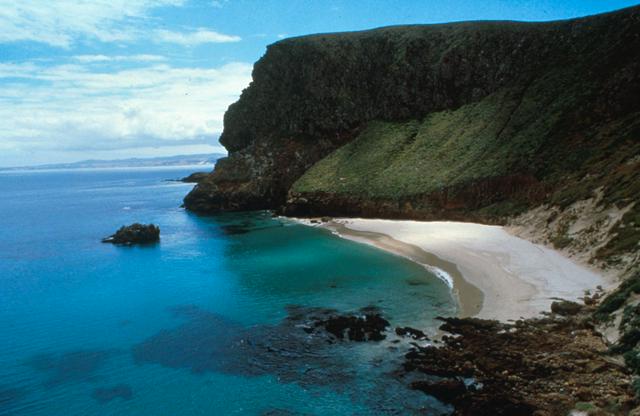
{"x": 312, "y": 347}
{"x": 208, "y": 342}
{"x": 70, "y": 367}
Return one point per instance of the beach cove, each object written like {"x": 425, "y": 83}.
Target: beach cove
{"x": 493, "y": 274}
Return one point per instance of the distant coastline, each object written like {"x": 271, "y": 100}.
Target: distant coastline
{"x": 165, "y": 161}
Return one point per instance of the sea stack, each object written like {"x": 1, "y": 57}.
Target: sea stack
{"x": 135, "y": 234}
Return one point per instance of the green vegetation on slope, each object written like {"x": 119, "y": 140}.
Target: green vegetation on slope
{"x": 554, "y": 130}
{"x": 499, "y": 135}
{"x": 393, "y": 160}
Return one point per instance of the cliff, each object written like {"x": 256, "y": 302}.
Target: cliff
{"x": 479, "y": 121}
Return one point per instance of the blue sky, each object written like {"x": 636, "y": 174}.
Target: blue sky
{"x": 84, "y": 79}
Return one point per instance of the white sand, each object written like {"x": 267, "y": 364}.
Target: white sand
{"x": 516, "y": 278}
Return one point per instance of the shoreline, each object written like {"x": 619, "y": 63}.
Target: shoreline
{"x": 493, "y": 274}
{"x": 469, "y": 297}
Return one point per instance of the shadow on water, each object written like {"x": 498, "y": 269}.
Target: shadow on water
{"x": 235, "y": 229}
{"x": 107, "y": 394}
{"x": 203, "y": 343}
{"x": 10, "y": 397}
{"x": 239, "y": 223}
{"x": 70, "y": 367}
{"x": 282, "y": 412}
{"x": 294, "y": 351}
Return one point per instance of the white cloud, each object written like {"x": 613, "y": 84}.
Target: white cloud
{"x": 61, "y": 23}
{"x": 219, "y": 3}
{"x": 118, "y": 58}
{"x": 70, "y": 108}
{"x": 197, "y": 37}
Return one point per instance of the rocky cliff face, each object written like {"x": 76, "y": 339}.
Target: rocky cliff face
{"x": 479, "y": 121}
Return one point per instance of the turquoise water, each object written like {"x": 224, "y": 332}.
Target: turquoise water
{"x": 182, "y": 328}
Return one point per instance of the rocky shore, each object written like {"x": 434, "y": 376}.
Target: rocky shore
{"x": 544, "y": 367}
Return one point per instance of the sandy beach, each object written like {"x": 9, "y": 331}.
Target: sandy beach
{"x": 493, "y": 274}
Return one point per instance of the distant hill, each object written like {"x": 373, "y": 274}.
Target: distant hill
{"x": 180, "y": 160}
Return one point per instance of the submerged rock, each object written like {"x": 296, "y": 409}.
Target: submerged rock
{"x": 107, "y": 394}
{"x": 299, "y": 349}
{"x": 69, "y": 367}
{"x": 135, "y": 234}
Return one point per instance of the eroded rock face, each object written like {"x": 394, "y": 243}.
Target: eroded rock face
{"x": 256, "y": 177}
{"x": 135, "y": 234}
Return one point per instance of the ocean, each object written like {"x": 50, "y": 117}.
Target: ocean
{"x": 207, "y": 322}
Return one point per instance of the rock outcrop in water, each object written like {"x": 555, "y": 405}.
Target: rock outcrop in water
{"x": 135, "y": 234}
{"x": 367, "y": 327}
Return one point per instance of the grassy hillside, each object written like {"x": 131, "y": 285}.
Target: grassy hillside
{"x": 447, "y": 148}
{"x": 552, "y": 134}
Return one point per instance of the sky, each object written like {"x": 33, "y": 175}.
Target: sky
{"x": 108, "y": 79}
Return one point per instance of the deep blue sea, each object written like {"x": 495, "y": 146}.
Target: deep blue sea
{"x": 207, "y": 322}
